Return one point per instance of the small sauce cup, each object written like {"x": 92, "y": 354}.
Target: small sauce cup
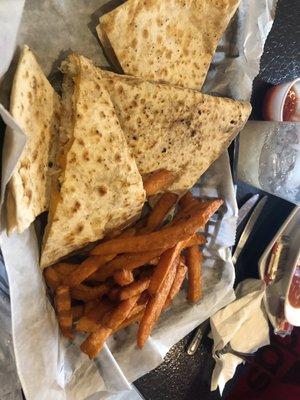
{"x": 282, "y": 102}
{"x": 292, "y": 299}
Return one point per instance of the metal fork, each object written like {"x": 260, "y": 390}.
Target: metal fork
{"x": 247, "y": 357}
{"x": 229, "y": 349}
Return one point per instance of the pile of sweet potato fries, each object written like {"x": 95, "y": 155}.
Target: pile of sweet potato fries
{"x": 134, "y": 274}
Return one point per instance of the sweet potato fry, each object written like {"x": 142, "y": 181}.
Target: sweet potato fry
{"x": 181, "y": 215}
{"x": 86, "y": 293}
{"x": 176, "y": 285}
{"x": 154, "y": 261}
{"x": 65, "y": 268}
{"x": 165, "y": 264}
{"x": 121, "y": 233}
{"x": 113, "y": 319}
{"x": 87, "y": 325}
{"x": 91, "y": 321}
{"x": 194, "y": 262}
{"x": 157, "y": 181}
{"x": 132, "y": 261}
{"x": 86, "y": 268}
{"x": 154, "y": 308}
{"x": 95, "y": 341}
{"x": 52, "y": 278}
{"x": 123, "y": 277}
{"x": 100, "y": 309}
{"x": 144, "y": 297}
{"x": 196, "y": 239}
{"x": 113, "y": 294}
{"x": 77, "y": 312}
{"x": 131, "y": 319}
{"x": 128, "y": 261}
{"x": 185, "y": 213}
{"x": 136, "y": 309}
{"x": 90, "y": 305}
{"x": 182, "y": 259}
{"x": 160, "y": 211}
{"x": 187, "y": 200}
{"x": 167, "y": 304}
{"x": 135, "y": 288}
{"x": 136, "y": 313}
{"x": 62, "y": 302}
{"x": 164, "y": 238}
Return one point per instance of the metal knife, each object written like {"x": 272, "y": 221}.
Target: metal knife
{"x": 246, "y": 208}
{"x": 248, "y": 228}
{"x": 201, "y": 331}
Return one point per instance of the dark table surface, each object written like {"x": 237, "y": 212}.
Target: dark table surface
{"x": 183, "y": 377}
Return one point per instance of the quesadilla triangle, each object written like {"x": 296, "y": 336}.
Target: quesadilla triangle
{"x": 167, "y": 127}
{"x": 166, "y": 40}
{"x": 99, "y": 187}
{"x": 35, "y": 106}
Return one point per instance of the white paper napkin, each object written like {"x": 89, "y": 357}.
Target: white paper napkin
{"x": 244, "y": 324}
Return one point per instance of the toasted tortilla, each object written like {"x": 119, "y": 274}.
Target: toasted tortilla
{"x": 166, "y": 40}
{"x": 99, "y": 187}
{"x": 35, "y": 106}
{"x": 181, "y": 130}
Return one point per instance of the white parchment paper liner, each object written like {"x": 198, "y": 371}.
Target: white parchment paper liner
{"x": 50, "y": 368}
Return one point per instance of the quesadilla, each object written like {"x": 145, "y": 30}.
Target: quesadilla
{"x": 167, "y": 127}
{"x": 35, "y": 106}
{"x": 166, "y": 40}
{"x": 99, "y": 187}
